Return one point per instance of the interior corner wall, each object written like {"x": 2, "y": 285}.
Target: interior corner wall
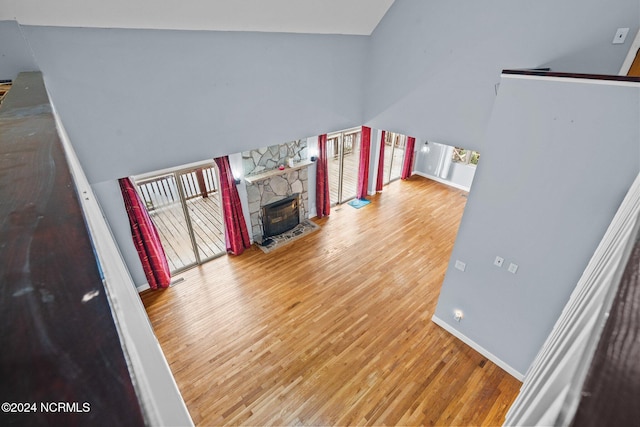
{"x": 15, "y": 56}
{"x": 434, "y": 65}
{"x": 558, "y": 160}
{"x": 110, "y": 200}
{"x": 436, "y": 164}
{"x": 312, "y": 146}
{"x": 235, "y": 163}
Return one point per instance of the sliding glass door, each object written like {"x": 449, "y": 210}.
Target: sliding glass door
{"x": 343, "y": 157}
{"x": 185, "y": 207}
{"x": 202, "y": 202}
{"x": 393, "y": 156}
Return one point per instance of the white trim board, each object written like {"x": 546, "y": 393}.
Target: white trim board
{"x": 174, "y": 281}
{"x": 631, "y": 55}
{"x": 503, "y": 365}
{"x": 158, "y": 393}
{"x": 572, "y": 80}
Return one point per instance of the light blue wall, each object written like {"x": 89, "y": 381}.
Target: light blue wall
{"x": 14, "y": 52}
{"x": 433, "y": 65}
{"x": 558, "y": 160}
{"x": 135, "y": 101}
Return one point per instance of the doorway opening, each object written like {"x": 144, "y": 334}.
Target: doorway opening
{"x": 394, "y": 144}
{"x": 185, "y": 207}
{"x": 343, "y": 161}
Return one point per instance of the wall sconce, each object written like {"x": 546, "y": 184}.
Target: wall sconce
{"x": 313, "y": 153}
{"x": 425, "y": 148}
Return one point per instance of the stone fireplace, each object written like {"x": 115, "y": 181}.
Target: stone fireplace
{"x": 267, "y": 184}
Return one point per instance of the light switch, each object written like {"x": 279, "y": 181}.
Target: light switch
{"x": 460, "y": 265}
{"x": 513, "y": 268}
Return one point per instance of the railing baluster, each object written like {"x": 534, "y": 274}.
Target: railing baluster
{"x": 148, "y": 202}
{"x": 162, "y": 191}
{"x": 211, "y": 181}
{"x": 168, "y": 196}
{"x": 187, "y": 185}
{"x": 193, "y": 187}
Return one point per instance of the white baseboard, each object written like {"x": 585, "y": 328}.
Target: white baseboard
{"x": 146, "y": 286}
{"x": 443, "y": 181}
{"x": 505, "y": 366}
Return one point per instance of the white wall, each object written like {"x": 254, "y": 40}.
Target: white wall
{"x": 434, "y": 64}
{"x": 462, "y": 174}
{"x": 557, "y": 161}
{"x": 436, "y": 164}
{"x": 14, "y": 52}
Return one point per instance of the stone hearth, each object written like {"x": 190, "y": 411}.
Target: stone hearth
{"x": 278, "y": 185}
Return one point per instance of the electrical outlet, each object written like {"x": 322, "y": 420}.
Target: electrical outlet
{"x": 498, "y": 261}
{"x": 460, "y": 265}
{"x": 513, "y": 268}
{"x": 458, "y": 315}
{"x": 621, "y": 36}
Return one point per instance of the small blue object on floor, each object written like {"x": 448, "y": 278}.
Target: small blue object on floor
{"x": 358, "y": 203}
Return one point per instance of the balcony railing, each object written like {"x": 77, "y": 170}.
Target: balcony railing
{"x": 162, "y": 190}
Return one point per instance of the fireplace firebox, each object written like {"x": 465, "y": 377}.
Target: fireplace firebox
{"x": 280, "y": 216}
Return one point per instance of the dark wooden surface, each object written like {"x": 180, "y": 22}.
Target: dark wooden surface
{"x": 611, "y": 393}
{"x": 58, "y": 342}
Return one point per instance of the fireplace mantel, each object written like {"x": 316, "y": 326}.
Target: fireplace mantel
{"x": 251, "y": 179}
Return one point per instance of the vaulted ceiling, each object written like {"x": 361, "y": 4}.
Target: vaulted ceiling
{"x": 356, "y": 17}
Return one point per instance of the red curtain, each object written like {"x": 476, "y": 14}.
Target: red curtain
{"x": 235, "y": 233}
{"x": 380, "y": 180}
{"x": 323, "y": 200}
{"x": 145, "y": 237}
{"x": 407, "y": 165}
{"x": 363, "y": 169}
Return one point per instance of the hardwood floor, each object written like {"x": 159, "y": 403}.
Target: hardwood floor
{"x": 335, "y": 328}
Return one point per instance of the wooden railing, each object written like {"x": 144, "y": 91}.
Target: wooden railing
{"x": 78, "y": 348}
{"x": 162, "y": 190}
{"x": 53, "y": 299}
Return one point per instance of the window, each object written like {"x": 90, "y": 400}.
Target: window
{"x": 461, "y": 155}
